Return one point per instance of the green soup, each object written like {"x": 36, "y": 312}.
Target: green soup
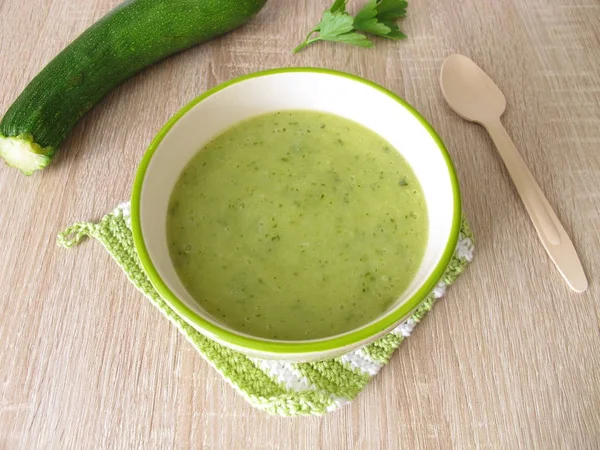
{"x": 297, "y": 225}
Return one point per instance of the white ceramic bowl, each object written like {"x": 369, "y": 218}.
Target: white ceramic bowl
{"x": 284, "y": 89}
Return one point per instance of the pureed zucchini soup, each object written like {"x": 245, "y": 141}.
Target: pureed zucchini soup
{"x": 297, "y": 225}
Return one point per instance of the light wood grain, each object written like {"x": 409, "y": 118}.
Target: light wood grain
{"x": 509, "y": 359}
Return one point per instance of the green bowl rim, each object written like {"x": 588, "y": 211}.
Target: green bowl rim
{"x": 291, "y": 347}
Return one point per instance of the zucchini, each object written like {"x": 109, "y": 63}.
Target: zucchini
{"x": 129, "y": 38}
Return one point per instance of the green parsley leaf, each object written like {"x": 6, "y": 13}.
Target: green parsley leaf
{"x": 366, "y": 20}
{"x": 390, "y": 10}
{"x": 333, "y": 24}
{"x": 376, "y": 17}
{"x": 395, "y": 32}
{"x": 353, "y": 39}
{"x": 337, "y": 27}
{"x": 338, "y": 6}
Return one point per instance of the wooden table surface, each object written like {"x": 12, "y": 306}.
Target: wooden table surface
{"x": 509, "y": 359}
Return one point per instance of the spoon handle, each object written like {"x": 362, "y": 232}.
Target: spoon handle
{"x": 549, "y": 229}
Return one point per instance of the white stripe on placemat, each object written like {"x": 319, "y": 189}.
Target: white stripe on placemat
{"x": 285, "y": 373}
{"x": 125, "y": 209}
{"x": 439, "y": 290}
{"x": 358, "y": 359}
{"x": 338, "y": 402}
{"x": 465, "y": 249}
{"x": 405, "y": 328}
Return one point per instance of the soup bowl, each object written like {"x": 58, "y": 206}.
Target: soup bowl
{"x": 338, "y": 93}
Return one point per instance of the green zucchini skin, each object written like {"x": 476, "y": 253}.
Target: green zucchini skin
{"x": 129, "y": 38}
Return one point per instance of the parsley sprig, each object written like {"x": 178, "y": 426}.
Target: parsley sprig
{"x": 377, "y": 17}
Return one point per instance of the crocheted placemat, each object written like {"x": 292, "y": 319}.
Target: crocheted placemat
{"x": 277, "y": 387}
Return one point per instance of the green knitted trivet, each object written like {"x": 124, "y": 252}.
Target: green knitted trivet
{"x": 277, "y": 387}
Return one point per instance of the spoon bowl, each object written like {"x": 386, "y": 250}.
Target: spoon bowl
{"x": 469, "y": 91}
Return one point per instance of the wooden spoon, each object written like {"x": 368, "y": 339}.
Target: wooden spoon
{"x": 473, "y": 95}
